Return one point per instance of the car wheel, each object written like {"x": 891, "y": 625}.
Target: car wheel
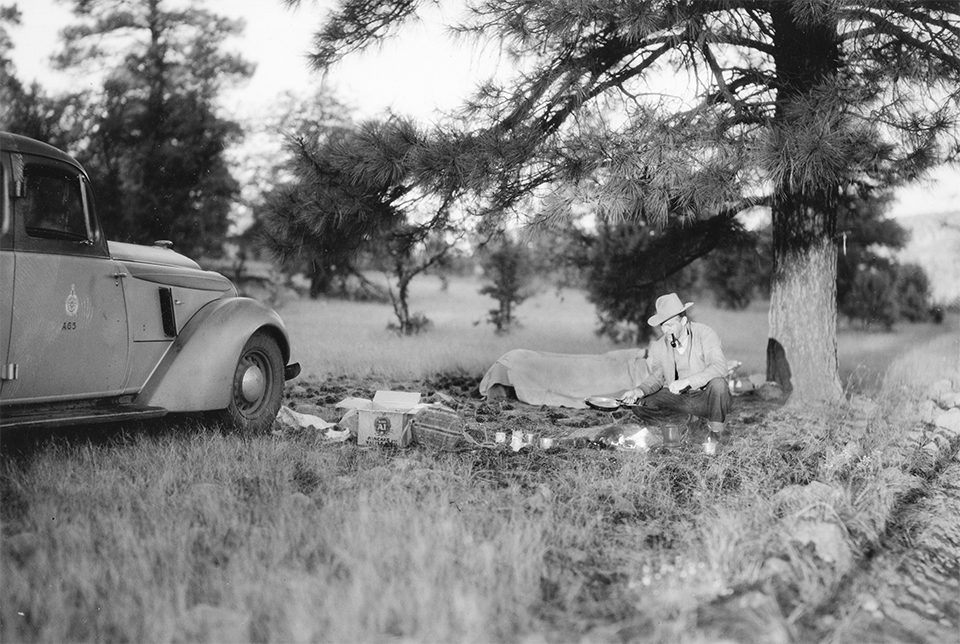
{"x": 257, "y": 385}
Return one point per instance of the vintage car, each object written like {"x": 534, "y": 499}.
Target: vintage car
{"x": 94, "y": 331}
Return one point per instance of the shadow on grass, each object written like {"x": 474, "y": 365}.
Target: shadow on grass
{"x": 22, "y": 444}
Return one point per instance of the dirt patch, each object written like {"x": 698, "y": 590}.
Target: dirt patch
{"x": 910, "y": 590}
{"x": 484, "y": 418}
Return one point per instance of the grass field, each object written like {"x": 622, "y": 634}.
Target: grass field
{"x": 180, "y": 533}
{"x": 347, "y": 338}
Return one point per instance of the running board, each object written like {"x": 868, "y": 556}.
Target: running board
{"x": 48, "y": 418}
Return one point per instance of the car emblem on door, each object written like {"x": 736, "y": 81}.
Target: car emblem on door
{"x": 72, "y": 304}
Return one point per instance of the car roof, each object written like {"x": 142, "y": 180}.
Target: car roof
{"x": 10, "y": 142}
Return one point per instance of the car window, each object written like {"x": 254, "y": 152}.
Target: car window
{"x": 52, "y": 205}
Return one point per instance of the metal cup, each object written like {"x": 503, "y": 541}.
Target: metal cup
{"x": 671, "y": 434}
{"x": 710, "y": 444}
{"x": 500, "y": 437}
{"x": 546, "y": 443}
{"x": 530, "y": 438}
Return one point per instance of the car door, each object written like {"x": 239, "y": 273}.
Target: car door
{"x": 68, "y": 329}
{"x": 7, "y": 372}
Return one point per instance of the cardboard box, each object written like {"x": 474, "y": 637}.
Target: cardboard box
{"x": 385, "y": 420}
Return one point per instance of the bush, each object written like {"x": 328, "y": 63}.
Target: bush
{"x": 629, "y": 265}
{"x": 508, "y": 266}
{"x": 913, "y": 294}
{"x": 738, "y": 273}
{"x": 885, "y": 292}
{"x": 871, "y": 299}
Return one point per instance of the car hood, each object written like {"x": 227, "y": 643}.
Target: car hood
{"x": 149, "y": 254}
{"x": 164, "y": 266}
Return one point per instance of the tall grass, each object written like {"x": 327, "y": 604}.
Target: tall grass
{"x": 299, "y": 542}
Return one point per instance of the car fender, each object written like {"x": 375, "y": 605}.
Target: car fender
{"x": 196, "y": 372}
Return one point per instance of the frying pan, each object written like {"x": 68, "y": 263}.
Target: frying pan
{"x": 603, "y": 403}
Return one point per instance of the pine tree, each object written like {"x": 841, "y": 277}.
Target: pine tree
{"x": 154, "y": 143}
{"x": 790, "y": 102}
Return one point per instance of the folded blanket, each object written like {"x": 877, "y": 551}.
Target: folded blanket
{"x": 564, "y": 380}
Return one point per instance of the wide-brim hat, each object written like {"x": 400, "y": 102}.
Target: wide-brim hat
{"x": 668, "y": 306}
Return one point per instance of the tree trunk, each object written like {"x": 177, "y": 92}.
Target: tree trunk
{"x": 802, "y": 347}
{"x": 321, "y": 278}
{"x": 401, "y": 308}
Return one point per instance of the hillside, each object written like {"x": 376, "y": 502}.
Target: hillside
{"x": 935, "y": 245}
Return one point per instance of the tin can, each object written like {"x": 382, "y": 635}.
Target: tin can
{"x": 530, "y": 438}
{"x": 671, "y": 434}
{"x": 500, "y": 437}
{"x": 546, "y": 443}
{"x": 710, "y": 445}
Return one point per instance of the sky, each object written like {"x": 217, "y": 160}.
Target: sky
{"x": 423, "y": 73}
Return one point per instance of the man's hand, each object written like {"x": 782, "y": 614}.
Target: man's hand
{"x": 631, "y": 397}
{"x": 678, "y": 386}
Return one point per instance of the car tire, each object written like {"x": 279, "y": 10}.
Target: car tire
{"x": 257, "y": 388}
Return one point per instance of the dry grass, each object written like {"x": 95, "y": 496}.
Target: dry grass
{"x": 924, "y": 363}
{"x": 348, "y": 338}
{"x": 351, "y": 339}
{"x": 173, "y": 534}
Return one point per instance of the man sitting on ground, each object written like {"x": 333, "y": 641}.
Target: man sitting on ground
{"x": 687, "y": 370}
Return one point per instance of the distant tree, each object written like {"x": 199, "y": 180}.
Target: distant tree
{"x": 319, "y": 219}
{"x": 884, "y": 292}
{"x": 405, "y": 252}
{"x": 312, "y": 128}
{"x": 868, "y": 275}
{"x": 507, "y": 264}
{"x": 867, "y": 238}
{"x": 558, "y": 254}
{"x": 632, "y": 263}
{"x": 872, "y": 299}
{"x": 32, "y": 112}
{"x": 154, "y": 142}
{"x": 29, "y": 111}
{"x": 10, "y": 16}
{"x": 912, "y": 288}
{"x": 736, "y": 273}
{"x": 798, "y": 98}
{"x": 353, "y": 194}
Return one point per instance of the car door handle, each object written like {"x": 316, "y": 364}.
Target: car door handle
{"x": 120, "y": 274}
